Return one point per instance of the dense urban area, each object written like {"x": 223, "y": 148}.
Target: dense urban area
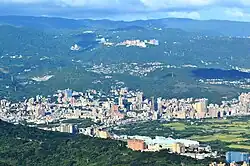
{"x": 123, "y": 106}
{"x": 157, "y": 92}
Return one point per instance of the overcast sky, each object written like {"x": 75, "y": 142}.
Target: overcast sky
{"x": 130, "y": 9}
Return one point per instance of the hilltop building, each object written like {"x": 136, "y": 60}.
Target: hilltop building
{"x": 136, "y": 145}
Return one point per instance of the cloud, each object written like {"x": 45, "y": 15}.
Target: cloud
{"x": 146, "y": 4}
{"x": 168, "y": 4}
{"x": 115, "y": 8}
{"x": 240, "y": 14}
{"x": 235, "y": 12}
{"x": 191, "y": 15}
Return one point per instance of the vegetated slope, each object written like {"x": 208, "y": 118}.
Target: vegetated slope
{"x": 212, "y": 27}
{"x": 176, "y": 47}
{"x": 47, "y": 52}
{"x": 221, "y": 74}
{"x": 41, "y": 22}
{"x": 20, "y": 145}
{"x": 29, "y": 41}
{"x": 22, "y": 48}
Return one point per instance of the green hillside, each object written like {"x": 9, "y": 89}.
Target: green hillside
{"x": 28, "y": 52}
{"x": 24, "y": 146}
{"x": 209, "y": 27}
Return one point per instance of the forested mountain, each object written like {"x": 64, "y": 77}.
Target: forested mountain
{"x": 176, "y": 46}
{"x": 215, "y": 27}
{"x": 38, "y": 46}
{"x": 24, "y": 146}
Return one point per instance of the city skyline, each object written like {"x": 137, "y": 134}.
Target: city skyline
{"x": 123, "y": 106}
{"x": 125, "y": 82}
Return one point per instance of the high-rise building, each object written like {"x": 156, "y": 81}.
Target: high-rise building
{"x": 244, "y": 100}
{"x": 38, "y": 98}
{"x": 155, "y": 115}
{"x": 159, "y": 105}
{"x": 38, "y": 110}
{"x": 120, "y": 101}
{"x": 123, "y": 91}
{"x": 152, "y": 104}
{"x": 68, "y": 93}
{"x": 139, "y": 99}
{"x": 3, "y": 103}
{"x": 201, "y": 105}
{"x": 201, "y": 108}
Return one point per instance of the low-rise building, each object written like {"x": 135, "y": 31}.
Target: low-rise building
{"x": 136, "y": 145}
{"x": 102, "y": 134}
{"x": 178, "y": 148}
{"x": 237, "y": 157}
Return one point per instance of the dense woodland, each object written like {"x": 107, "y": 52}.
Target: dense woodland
{"x": 47, "y": 52}
{"x": 23, "y": 146}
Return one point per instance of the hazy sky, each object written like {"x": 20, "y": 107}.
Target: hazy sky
{"x": 130, "y": 9}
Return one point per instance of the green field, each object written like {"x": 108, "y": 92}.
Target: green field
{"x": 233, "y": 132}
{"x": 176, "y": 126}
{"x": 221, "y": 134}
{"x": 231, "y": 138}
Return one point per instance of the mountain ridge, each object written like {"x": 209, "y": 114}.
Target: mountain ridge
{"x": 223, "y": 27}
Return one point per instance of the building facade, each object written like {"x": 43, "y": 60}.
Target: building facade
{"x": 136, "y": 145}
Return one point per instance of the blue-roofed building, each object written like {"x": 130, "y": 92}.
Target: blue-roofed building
{"x": 237, "y": 157}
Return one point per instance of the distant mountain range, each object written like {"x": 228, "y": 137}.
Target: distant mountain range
{"x": 34, "y": 47}
{"x": 212, "y": 27}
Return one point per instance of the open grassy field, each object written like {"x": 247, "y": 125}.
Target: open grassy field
{"x": 235, "y": 132}
{"x": 177, "y": 126}
{"x": 234, "y": 146}
{"x": 222, "y": 134}
{"x": 230, "y": 138}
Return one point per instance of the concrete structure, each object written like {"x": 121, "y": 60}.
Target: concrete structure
{"x": 178, "y": 148}
{"x": 66, "y": 128}
{"x": 102, "y": 134}
{"x": 237, "y": 157}
{"x": 154, "y": 147}
{"x": 152, "y": 108}
{"x": 231, "y": 164}
{"x": 136, "y": 145}
{"x": 139, "y": 99}
{"x": 215, "y": 164}
{"x": 165, "y": 143}
{"x": 159, "y": 105}
{"x": 120, "y": 102}
{"x": 201, "y": 108}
